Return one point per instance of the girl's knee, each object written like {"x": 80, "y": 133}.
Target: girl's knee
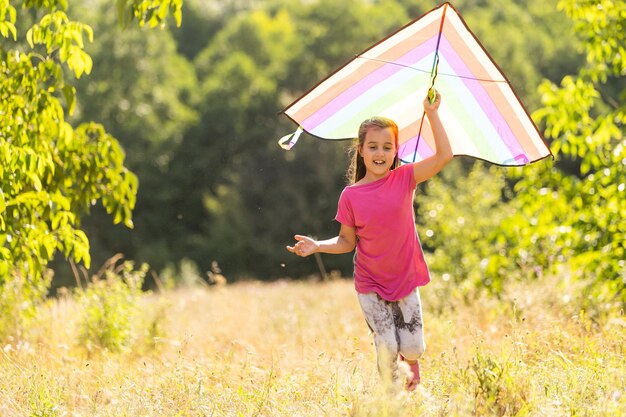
{"x": 413, "y": 351}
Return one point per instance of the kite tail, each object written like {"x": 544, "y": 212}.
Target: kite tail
{"x": 288, "y": 141}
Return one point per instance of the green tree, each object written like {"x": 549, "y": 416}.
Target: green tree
{"x": 203, "y": 20}
{"x": 50, "y": 172}
{"x": 573, "y": 214}
{"x": 239, "y": 72}
{"x": 230, "y": 171}
{"x": 144, "y": 93}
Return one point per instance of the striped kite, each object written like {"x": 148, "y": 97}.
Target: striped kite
{"x": 482, "y": 115}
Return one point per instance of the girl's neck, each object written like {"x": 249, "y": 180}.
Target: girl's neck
{"x": 369, "y": 178}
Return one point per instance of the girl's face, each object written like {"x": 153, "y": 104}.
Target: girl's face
{"x": 378, "y": 151}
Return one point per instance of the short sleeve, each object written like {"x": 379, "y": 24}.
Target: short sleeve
{"x": 410, "y": 176}
{"x": 345, "y": 215}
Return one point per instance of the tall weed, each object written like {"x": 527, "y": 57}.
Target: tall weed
{"x": 498, "y": 390}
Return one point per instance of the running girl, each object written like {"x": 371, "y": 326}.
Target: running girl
{"x": 377, "y": 218}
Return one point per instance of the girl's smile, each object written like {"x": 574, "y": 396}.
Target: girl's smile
{"x": 378, "y": 152}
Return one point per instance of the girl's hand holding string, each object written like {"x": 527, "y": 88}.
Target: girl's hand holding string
{"x": 429, "y": 107}
{"x": 425, "y": 169}
{"x": 304, "y": 247}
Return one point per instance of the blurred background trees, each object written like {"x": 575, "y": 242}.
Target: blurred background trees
{"x": 196, "y": 108}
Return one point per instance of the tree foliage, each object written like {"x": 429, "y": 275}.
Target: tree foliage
{"x": 584, "y": 231}
{"x": 150, "y": 12}
{"x": 51, "y": 173}
{"x": 144, "y": 93}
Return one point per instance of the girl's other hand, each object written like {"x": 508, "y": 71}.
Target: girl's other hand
{"x": 304, "y": 247}
{"x": 432, "y": 107}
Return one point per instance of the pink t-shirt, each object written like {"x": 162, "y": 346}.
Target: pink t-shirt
{"x": 389, "y": 259}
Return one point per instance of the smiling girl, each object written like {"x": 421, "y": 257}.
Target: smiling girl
{"x": 377, "y": 218}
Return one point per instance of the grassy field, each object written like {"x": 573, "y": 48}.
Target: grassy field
{"x": 303, "y": 349}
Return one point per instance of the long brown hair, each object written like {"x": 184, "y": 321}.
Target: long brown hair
{"x": 357, "y": 170}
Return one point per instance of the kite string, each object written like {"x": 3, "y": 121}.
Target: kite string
{"x": 432, "y": 95}
{"x": 431, "y": 89}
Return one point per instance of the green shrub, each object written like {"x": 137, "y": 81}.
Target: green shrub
{"x": 458, "y": 217}
{"x": 110, "y": 307}
{"x": 20, "y": 298}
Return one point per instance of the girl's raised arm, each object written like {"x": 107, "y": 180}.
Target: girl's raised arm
{"x": 425, "y": 169}
{"x": 343, "y": 243}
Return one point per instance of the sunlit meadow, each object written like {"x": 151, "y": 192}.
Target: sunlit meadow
{"x": 303, "y": 349}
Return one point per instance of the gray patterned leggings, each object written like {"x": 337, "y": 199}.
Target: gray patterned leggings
{"x": 397, "y": 328}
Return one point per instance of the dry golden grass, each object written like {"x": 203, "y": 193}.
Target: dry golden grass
{"x": 303, "y": 349}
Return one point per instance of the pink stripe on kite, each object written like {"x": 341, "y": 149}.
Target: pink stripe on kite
{"x": 486, "y": 103}
{"x": 353, "y": 92}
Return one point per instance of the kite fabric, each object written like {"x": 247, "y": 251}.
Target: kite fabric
{"x": 482, "y": 115}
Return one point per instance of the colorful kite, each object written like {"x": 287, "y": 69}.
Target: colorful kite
{"x": 482, "y": 115}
